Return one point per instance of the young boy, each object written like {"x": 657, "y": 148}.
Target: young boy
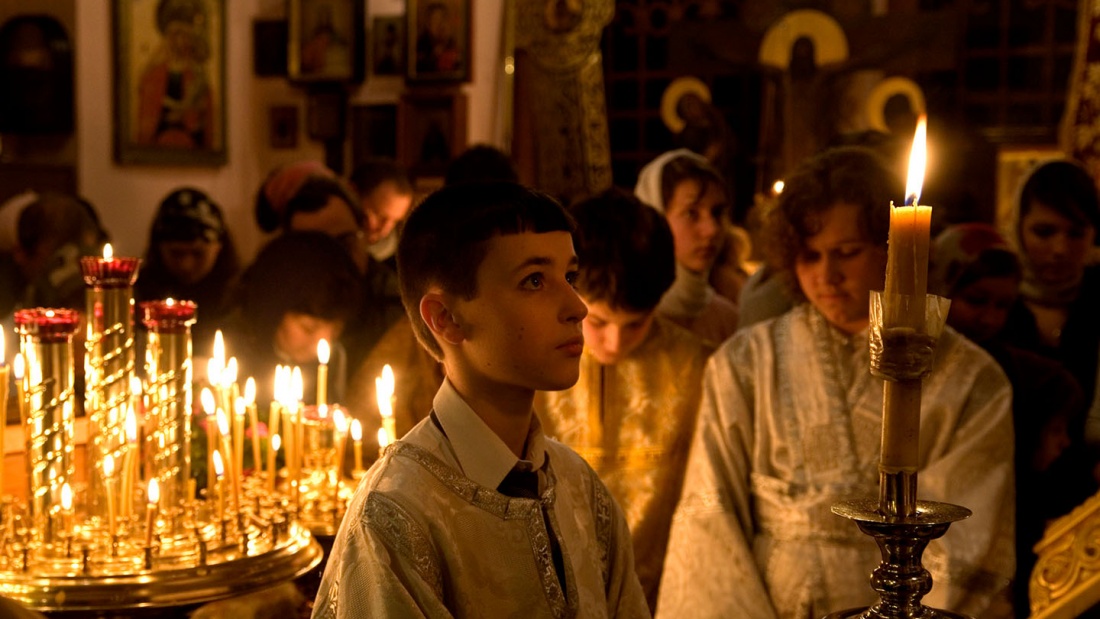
{"x": 474, "y": 512}
{"x": 632, "y": 413}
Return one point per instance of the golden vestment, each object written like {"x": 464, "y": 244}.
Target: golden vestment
{"x": 790, "y": 423}
{"x": 632, "y": 422}
{"x": 429, "y": 535}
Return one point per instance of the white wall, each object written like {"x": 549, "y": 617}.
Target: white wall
{"x": 127, "y": 195}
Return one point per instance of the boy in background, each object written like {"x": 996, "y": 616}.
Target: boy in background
{"x": 632, "y": 412}
{"x": 475, "y": 512}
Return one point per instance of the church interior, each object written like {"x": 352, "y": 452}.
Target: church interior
{"x": 159, "y": 460}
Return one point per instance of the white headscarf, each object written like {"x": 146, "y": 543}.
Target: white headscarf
{"x": 648, "y": 188}
{"x": 690, "y": 292}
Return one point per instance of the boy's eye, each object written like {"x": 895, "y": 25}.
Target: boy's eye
{"x": 532, "y": 281}
{"x": 1043, "y": 231}
{"x": 849, "y": 251}
{"x": 572, "y": 277}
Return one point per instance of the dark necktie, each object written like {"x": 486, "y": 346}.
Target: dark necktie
{"x": 525, "y": 485}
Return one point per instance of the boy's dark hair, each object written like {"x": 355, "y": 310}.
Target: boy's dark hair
{"x": 481, "y": 163}
{"x": 315, "y": 194}
{"x": 625, "y": 250}
{"x": 444, "y": 240}
{"x": 368, "y": 175}
{"x": 1067, "y": 188}
{"x": 682, "y": 169}
{"x": 848, "y": 174}
{"x": 303, "y": 272}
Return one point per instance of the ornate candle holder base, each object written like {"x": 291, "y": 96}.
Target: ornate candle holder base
{"x": 900, "y": 580}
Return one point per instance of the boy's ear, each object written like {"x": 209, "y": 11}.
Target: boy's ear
{"x": 439, "y": 318}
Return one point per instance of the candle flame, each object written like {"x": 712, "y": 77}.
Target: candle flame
{"x": 384, "y": 386}
{"x": 219, "y": 345}
{"x": 19, "y": 367}
{"x": 322, "y": 351}
{"x": 383, "y": 437}
{"x": 777, "y": 187}
{"x": 131, "y": 424}
{"x": 356, "y": 430}
{"x": 108, "y": 252}
{"x": 214, "y": 371}
{"x": 207, "y": 400}
{"x": 276, "y": 442}
{"x": 169, "y": 301}
{"x": 239, "y": 406}
{"x": 154, "y": 491}
{"x": 108, "y": 465}
{"x": 918, "y": 161}
{"x": 250, "y": 391}
{"x": 135, "y": 386}
{"x": 66, "y": 497}
{"x": 296, "y": 387}
{"x": 279, "y": 391}
{"x": 230, "y": 375}
{"x": 223, "y": 423}
{"x": 219, "y": 468}
{"x": 3, "y": 348}
{"x": 340, "y": 421}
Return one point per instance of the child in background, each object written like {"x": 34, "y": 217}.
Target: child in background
{"x": 693, "y": 198}
{"x": 632, "y": 413}
{"x": 475, "y": 512}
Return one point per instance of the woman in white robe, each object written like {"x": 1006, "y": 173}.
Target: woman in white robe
{"x": 790, "y": 424}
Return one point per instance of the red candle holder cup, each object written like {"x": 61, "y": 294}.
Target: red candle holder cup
{"x": 48, "y": 325}
{"x": 168, "y": 316}
{"x": 113, "y": 273}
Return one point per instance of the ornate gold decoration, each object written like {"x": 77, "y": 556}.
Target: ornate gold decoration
{"x": 1066, "y": 578}
{"x": 567, "y": 93}
{"x": 830, "y": 43}
{"x": 875, "y": 106}
{"x": 678, "y": 89}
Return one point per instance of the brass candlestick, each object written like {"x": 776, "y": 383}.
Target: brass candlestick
{"x": 109, "y": 361}
{"x": 901, "y": 525}
{"x": 169, "y": 371}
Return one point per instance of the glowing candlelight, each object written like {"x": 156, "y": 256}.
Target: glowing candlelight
{"x": 108, "y": 252}
{"x": 384, "y": 388}
{"x": 129, "y": 462}
{"x": 904, "y": 308}
{"x": 253, "y": 420}
{"x": 206, "y": 398}
{"x": 67, "y": 508}
{"x": 357, "y": 438}
{"x": 219, "y": 472}
{"x": 322, "y": 371}
{"x": 272, "y": 451}
{"x": 108, "y": 474}
{"x": 383, "y": 441}
{"x": 151, "y": 511}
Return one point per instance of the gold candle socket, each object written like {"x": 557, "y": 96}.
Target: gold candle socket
{"x": 109, "y": 362}
{"x": 45, "y": 342}
{"x": 169, "y": 370}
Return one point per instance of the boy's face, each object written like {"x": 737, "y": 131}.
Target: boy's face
{"x": 522, "y": 329}
{"x": 613, "y": 333}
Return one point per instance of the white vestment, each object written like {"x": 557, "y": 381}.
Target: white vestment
{"x": 790, "y": 424}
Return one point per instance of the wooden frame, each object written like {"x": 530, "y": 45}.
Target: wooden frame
{"x": 431, "y": 130}
{"x": 438, "y": 33}
{"x": 165, "y": 115}
{"x": 325, "y": 41}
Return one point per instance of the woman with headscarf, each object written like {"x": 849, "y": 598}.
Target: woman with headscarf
{"x": 975, "y": 267}
{"x": 692, "y": 196}
{"x": 190, "y": 256}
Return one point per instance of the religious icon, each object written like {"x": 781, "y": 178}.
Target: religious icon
{"x": 439, "y": 40}
{"x": 171, "y": 96}
{"x": 325, "y": 39}
{"x": 388, "y": 35}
